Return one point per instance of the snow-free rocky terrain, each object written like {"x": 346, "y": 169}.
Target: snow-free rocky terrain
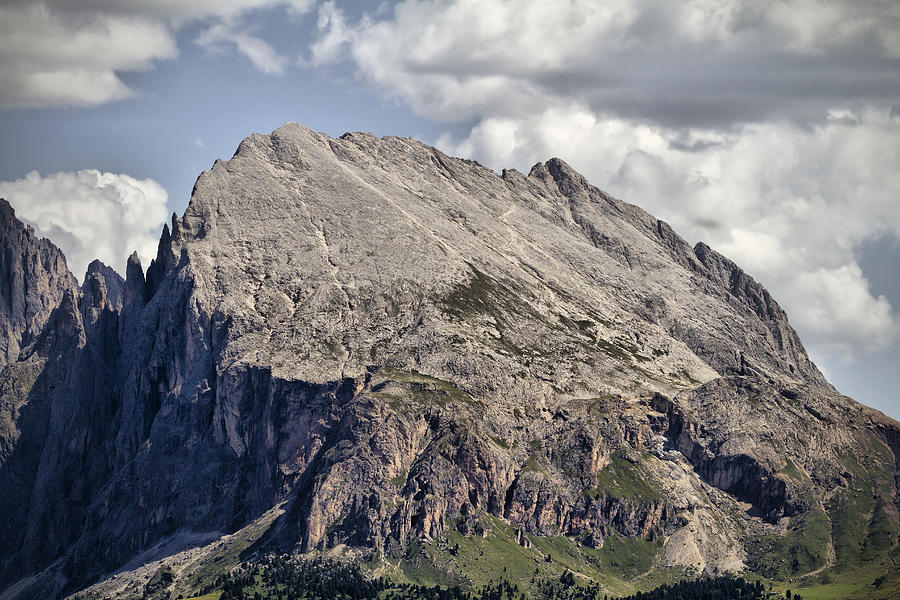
{"x": 364, "y": 348}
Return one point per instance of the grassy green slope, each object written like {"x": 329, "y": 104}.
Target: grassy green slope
{"x": 864, "y": 530}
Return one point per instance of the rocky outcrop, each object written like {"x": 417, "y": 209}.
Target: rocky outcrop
{"x": 382, "y": 345}
{"x": 33, "y": 280}
{"x": 783, "y": 348}
{"x": 57, "y": 417}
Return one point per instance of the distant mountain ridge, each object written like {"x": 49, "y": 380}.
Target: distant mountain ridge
{"x": 362, "y": 345}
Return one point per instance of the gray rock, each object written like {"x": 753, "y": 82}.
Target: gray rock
{"x": 386, "y": 342}
{"x": 33, "y": 279}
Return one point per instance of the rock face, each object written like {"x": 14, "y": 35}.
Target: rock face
{"x": 57, "y": 395}
{"x": 394, "y": 345}
{"x": 33, "y": 280}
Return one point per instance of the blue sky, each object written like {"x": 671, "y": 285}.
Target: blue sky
{"x": 770, "y": 130}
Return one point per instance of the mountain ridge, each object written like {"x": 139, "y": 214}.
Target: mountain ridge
{"x": 394, "y": 345}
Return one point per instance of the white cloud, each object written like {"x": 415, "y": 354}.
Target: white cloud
{"x": 71, "y": 52}
{"x": 176, "y": 11}
{"x": 693, "y": 60}
{"x": 333, "y": 35}
{"x": 260, "y": 53}
{"x": 89, "y": 214}
{"x": 840, "y": 314}
{"x": 48, "y": 60}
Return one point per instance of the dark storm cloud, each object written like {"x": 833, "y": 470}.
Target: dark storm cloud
{"x": 696, "y": 86}
{"x": 717, "y": 90}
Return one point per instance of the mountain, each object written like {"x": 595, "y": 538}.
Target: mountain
{"x": 364, "y": 348}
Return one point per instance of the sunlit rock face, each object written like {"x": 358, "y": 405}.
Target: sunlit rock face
{"x": 390, "y": 345}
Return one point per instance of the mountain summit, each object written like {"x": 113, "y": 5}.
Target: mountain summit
{"x": 365, "y": 347}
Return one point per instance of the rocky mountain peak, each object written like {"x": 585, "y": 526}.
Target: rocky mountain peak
{"x": 134, "y": 290}
{"x": 7, "y": 212}
{"x": 364, "y": 343}
{"x": 33, "y": 280}
{"x": 273, "y": 192}
{"x": 568, "y": 179}
{"x": 103, "y": 288}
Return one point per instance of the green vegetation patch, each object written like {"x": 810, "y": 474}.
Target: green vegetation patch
{"x": 283, "y": 578}
{"x": 864, "y": 525}
{"x": 476, "y": 560}
{"x": 534, "y": 464}
{"x": 791, "y": 471}
{"x": 495, "y": 556}
{"x": 864, "y": 530}
{"x": 199, "y": 574}
{"x": 483, "y": 296}
{"x": 621, "y": 559}
{"x": 401, "y": 387}
{"x": 624, "y": 479}
{"x": 421, "y": 567}
{"x": 500, "y": 442}
{"x": 399, "y": 480}
{"x": 874, "y": 582}
{"x": 630, "y": 556}
{"x": 802, "y": 549}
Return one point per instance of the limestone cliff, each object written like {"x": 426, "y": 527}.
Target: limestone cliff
{"x": 364, "y": 343}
